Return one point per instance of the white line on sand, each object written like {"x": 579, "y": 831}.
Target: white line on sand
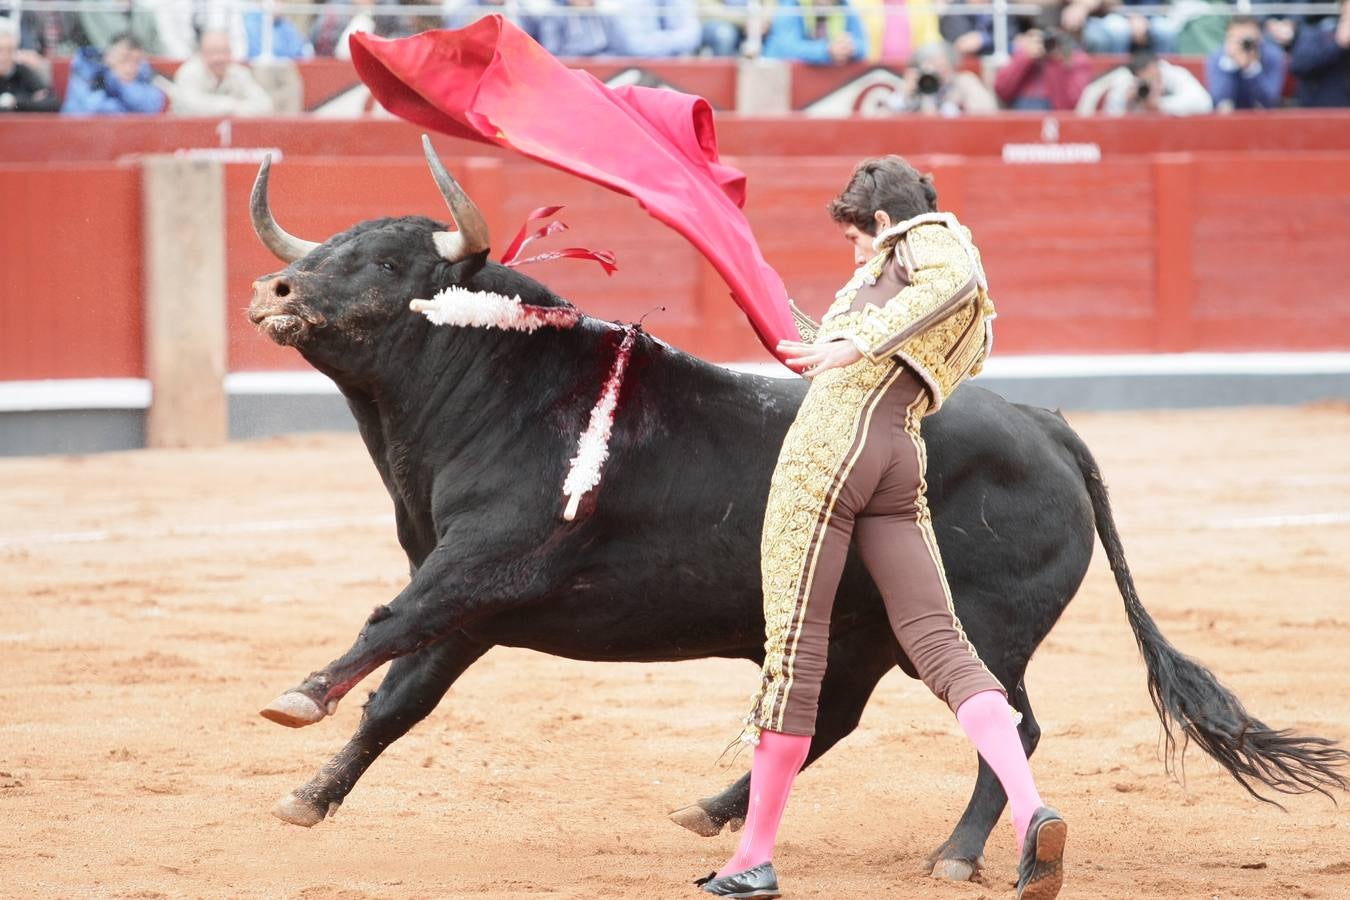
{"x": 134, "y": 393}
{"x": 277, "y": 526}
{"x": 204, "y": 530}
{"x": 1301, "y": 520}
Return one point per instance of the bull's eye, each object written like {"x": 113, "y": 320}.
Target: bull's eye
{"x": 388, "y": 267}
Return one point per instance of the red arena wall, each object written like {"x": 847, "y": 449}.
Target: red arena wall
{"x": 70, "y": 271}
{"x": 50, "y": 138}
{"x": 1148, "y": 250}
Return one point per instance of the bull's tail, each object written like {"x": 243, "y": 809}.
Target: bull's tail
{"x": 1191, "y": 700}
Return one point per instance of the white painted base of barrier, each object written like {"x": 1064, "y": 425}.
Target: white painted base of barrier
{"x": 1150, "y": 364}
{"x": 134, "y": 393}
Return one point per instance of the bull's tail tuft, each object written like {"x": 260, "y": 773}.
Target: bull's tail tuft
{"x": 1189, "y": 699}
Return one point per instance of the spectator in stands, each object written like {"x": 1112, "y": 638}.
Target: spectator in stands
{"x": 1281, "y": 30}
{"x": 1047, "y": 71}
{"x": 287, "y": 41}
{"x": 724, "y": 23}
{"x": 581, "y": 31}
{"x": 458, "y": 13}
{"x": 655, "y": 29}
{"x": 934, "y": 87}
{"x": 1201, "y": 25}
{"x": 47, "y": 33}
{"x": 212, "y": 84}
{"x": 331, "y": 30}
{"x": 176, "y": 26}
{"x": 1106, "y": 26}
{"x": 22, "y": 89}
{"x": 1145, "y": 85}
{"x": 1320, "y": 61}
{"x": 325, "y": 30}
{"x": 364, "y": 20}
{"x": 895, "y": 28}
{"x": 119, "y": 80}
{"x": 100, "y": 27}
{"x": 1247, "y": 72}
{"x": 798, "y": 32}
{"x": 971, "y": 34}
{"x": 29, "y": 52}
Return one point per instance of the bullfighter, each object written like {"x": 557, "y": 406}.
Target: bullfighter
{"x": 910, "y": 326}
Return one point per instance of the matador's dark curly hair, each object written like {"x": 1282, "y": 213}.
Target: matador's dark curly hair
{"x": 887, "y": 183}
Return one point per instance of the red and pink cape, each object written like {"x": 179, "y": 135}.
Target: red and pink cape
{"x": 491, "y": 82}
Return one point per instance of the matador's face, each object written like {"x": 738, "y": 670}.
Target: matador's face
{"x": 861, "y": 242}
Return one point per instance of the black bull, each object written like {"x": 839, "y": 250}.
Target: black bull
{"x": 472, "y": 428}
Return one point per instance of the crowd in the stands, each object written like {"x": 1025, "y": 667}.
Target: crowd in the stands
{"x": 945, "y": 55}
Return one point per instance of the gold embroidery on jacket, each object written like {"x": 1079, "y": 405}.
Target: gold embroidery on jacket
{"x": 807, "y": 327}
{"x": 946, "y": 280}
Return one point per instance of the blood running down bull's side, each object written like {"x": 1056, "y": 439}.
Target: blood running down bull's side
{"x": 472, "y": 428}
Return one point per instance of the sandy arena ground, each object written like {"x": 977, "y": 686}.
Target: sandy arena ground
{"x": 151, "y": 602}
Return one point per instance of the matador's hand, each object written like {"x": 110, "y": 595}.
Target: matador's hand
{"x": 812, "y": 359}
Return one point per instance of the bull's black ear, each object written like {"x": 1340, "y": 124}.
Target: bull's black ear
{"x": 447, "y": 273}
{"x": 475, "y": 263}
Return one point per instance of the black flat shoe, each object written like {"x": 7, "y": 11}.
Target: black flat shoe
{"x": 761, "y": 881}
{"x": 1041, "y": 872}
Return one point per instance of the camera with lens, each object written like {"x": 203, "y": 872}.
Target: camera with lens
{"x": 1249, "y": 45}
{"x": 1050, "y": 40}
{"x": 1142, "y": 90}
{"x": 928, "y": 83}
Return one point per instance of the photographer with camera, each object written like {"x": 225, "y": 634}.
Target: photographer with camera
{"x": 1047, "y": 71}
{"x": 22, "y": 88}
{"x": 1320, "y": 61}
{"x": 118, "y": 80}
{"x": 1247, "y": 72}
{"x": 933, "y": 86}
{"x": 802, "y": 30}
{"x": 1146, "y": 85}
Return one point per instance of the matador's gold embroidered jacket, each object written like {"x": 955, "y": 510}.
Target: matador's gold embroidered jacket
{"x": 922, "y": 298}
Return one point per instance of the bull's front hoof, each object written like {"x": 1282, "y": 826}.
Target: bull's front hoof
{"x": 296, "y": 811}
{"x": 956, "y": 869}
{"x": 697, "y": 820}
{"x": 294, "y": 710}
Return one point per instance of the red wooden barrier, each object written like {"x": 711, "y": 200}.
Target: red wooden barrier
{"x": 1270, "y": 253}
{"x": 1220, "y": 252}
{"x": 70, "y": 272}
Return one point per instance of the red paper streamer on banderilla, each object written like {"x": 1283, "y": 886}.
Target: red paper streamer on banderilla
{"x": 524, "y": 237}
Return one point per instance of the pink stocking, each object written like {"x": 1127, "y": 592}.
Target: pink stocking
{"x": 988, "y": 722}
{"x": 778, "y": 758}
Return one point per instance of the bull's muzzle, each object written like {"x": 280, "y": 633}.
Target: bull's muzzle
{"x": 276, "y": 310}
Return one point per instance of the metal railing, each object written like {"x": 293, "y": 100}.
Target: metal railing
{"x": 755, "y": 12}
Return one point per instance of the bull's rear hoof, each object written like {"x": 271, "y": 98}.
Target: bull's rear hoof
{"x": 697, "y": 820}
{"x": 954, "y": 869}
{"x": 294, "y": 710}
{"x": 295, "y": 811}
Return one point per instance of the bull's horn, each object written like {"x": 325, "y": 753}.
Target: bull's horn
{"x": 286, "y": 247}
{"x": 472, "y": 236}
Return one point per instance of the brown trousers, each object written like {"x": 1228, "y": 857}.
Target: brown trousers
{"x": 852, "y": 466}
